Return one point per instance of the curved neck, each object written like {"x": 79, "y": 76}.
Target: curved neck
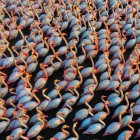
{"x": 55, "y": 54}
{"x": 29, "y": 83}
{"x": 132, "y": 129}
{"x": 55, "y": 83}
{"x": 12, "y": 55}
{"x": 77, "y": 36}
{"x": 11, "y": 91}
{"x": 106, "y": 26}
{"x": 84, "y": 21}
{"x": 103, "y": 100}
{"x": 120, "y": 70}
{"x": 6, "y": 119}
{"x": 11, "y": 103}
{"x": 75, "y": 13}
{"x": 31, "y": 14}
{"x": 117, "y": 26}
{"x": 89, "y": 108}
{"x": 39, "y": 111}
{"x": 120, "y": 118}
{"x": 91, "y": 27}
{"x": 120, "y": 4}
{"x": 67, "y": 17}
{"x": 46, "y": 43}
{"x": 136, "y": 52}
{"x": 46, "y": 97}
{"x": 51, "y": 46}
{"x": 21, "y": 109}
{"x": 24, "y": 38}
{"x": 91, "y": 39}
{"x": 22, "y": 124}
{"x": 25, "y": 115}
{"x": 58, "y": 13}
{"x": 90, "y": 89}
{"x": 131, "y": 110}
{"x": 21, "y": 11}
{"x": 45, "y": 9}
{"x": 102, "y": 123}
{"x": 122, "y": 95}
{"x": 61, "y": 118}
{"x": 73, "y": 52}
{"x": 63, "y": 4}
{"x": 135, "y": 21}
{"x": 7, "y": 13}
{"x": 1, "y": 21}
{"x": 35, "y": 58}
{"x": 23, "y": 60}
{"x": 17, "y": 12}
{"x": 118, "y": 76}
{"x": 37, "y": 99}
{"x": 94, "y": 77}
{"x": 73, "y": 68}
{"x": 80, "y": 76}
{"x": 68, "y": 106}
{"x": 76, "y": 92}
{"x": 3, "y": 74}
{"x": 42, "y": 122}
{"x": 92, "y": 62}
{"x": 123, "y": 59}
{"x": 23, "y": 79}
{"x": 40, "y": 4}
{"x": 107, "y": 108}
{"x": 58, "y": 59}
{"x": 59, "y": 94}
{"x": 70, "y": 6}
{"x": 134, "y": 35}
{"x": 23, "y": 137}
{"x": 40, "y": 137}
{"x": 120, "y": 54}
{"x": 121, "y": 43}
{"x": 4, "y": 83}
{"x": 64, "y": 131}
{"x": 8, "y": 26}
{"x": 137, "y": 66}
{"x": 80, "y": 22}
{"x": 83, "y": 50}
{"x": 45, "y": 73}
{"x": 126, "y": 99}
{"x": 74, "y": 131}
{"x": 15, "y": 62}
{"x": 109, "y": 72}
{"x": 65, "y": 41}
{"x": 47, "y": 21}
{"x": 3, "y": 108}
{"x": 32, "y": 36}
